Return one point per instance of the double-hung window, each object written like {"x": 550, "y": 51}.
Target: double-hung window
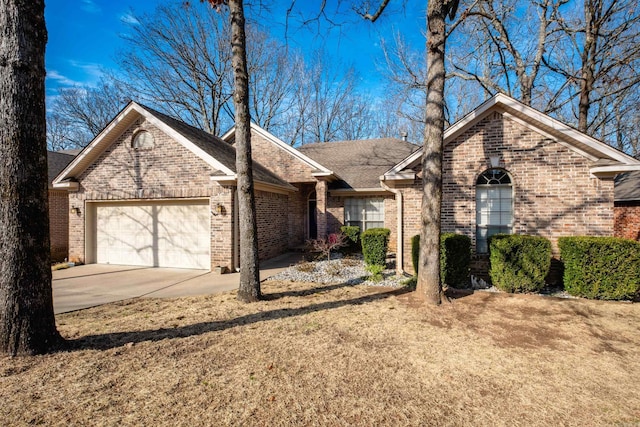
{"x": 364, "y": 213}
{"x": 494, "y": 206}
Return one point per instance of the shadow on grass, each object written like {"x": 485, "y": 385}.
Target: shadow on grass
{"x": 117, "y": 339}
{"x": 272, "y": 296}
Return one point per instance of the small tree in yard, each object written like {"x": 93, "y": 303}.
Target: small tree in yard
{"x": 332, "y": 242}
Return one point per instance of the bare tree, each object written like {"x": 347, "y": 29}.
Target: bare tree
{"x": 328, "y": 106}
{"x": 27, "y": 324}
{"x": 79, "y": 113}
{"x": 179, "y": 59}
{"x": 500, "y": 45}
{"x": 597, "y": 59}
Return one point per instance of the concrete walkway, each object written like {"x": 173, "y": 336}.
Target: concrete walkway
{"x": 90, "y": 285}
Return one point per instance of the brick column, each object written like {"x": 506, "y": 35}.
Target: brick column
{"x": 321, "y": 208}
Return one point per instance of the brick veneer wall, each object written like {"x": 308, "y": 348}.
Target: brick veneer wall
{"x": 335, "y": 215}
{"x": 553, "y": 193}
{"x": 167, "y": 171}
{"x": 279, "y": 161}
{"x": 59, "y": 224}
{"x": 627, "y": 220}
{"x": 273, "y": 224}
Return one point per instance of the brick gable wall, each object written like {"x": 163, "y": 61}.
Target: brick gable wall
{"x": 553, "y": 193}
{"x": 279, "y": 161}
{"x": 168, "y": 171}
{"x": 627, "y": 220}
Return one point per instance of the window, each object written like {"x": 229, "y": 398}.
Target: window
{"x": 364, "y": 213}
{"x": 142, "y": 140}
{"x": 494, "y": 206}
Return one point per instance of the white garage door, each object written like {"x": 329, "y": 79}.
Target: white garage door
{"x": 162, "y": 234}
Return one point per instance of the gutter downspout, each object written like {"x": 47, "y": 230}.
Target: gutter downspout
{"x": 399, "y": 249}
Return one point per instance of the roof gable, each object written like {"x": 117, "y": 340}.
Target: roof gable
{"x": 607, "y": 161}
{"x": 318, "y": 170}
{"x": 211, "y": 149}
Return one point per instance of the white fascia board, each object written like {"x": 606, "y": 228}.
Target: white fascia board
{"x": 67, "y": 172}
{"x": 612, "y": 170}
{"x": 408, "y": 161}
{"x": 66, "y": 185}
{"x": 286, "y": 147}
{"x": 571, "y": 133}
{"x": 211, "y": 161}
{"x": 359, "y": 191}
{"x": 228, "y": 133}
{"x": 225, "y": 179}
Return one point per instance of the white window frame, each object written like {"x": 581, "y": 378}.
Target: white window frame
{"x": 143, "y": 140}
{"x": 365, "y": 213}
{"x": 494, "y": 205}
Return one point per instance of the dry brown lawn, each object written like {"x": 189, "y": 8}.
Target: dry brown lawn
{"x": 335, "y": 355}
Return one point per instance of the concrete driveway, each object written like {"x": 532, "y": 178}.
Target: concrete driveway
{"x": 90, "y": 285}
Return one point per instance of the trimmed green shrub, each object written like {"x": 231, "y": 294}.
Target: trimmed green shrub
{"x": 455, "y": 258}
{"x": 415, "y": 253}
{"x": 353, "y": 237}
{"x": 376, "y": 272}
{"x": 601, "y": 267}
{"x": 519, "y": 263}
{"x": 375, "y": 242}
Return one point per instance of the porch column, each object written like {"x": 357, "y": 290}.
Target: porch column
{"x": 321, "y": 208}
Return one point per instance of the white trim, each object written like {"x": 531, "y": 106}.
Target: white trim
{"x": 345, "y": 192}
{"x": 96, "y": 141}
{"x": 399, "y": 177}
{"x": 612, "y": 170}
{"x": 67, "y": 185}
{"x": 71, "y": 169}
{"x": 548, "y": 135}
{"x": 258, "y": 185}
{"x": 286, "y": 147}
{"x": 508, "y": 106}
{"x": 177, "y": 136}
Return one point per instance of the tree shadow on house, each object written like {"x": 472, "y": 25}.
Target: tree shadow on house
{"x": 117, "y": 339}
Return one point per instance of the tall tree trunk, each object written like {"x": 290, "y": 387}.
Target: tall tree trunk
{"x": 249, "y": 289}
{"x": 429, "y": 287}
{"x": 592, "y": 10}
{"x": 27, "y": 324}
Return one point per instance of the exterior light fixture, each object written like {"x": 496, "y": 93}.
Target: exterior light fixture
{"x": 75, "y": 210}
{"x": 218, "y": 210}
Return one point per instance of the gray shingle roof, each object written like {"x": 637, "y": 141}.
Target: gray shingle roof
{"x": 57, "y": 162}
{"x": 359, "y": 163}
{"x": 216, "y": 148}
{"x": 627, "y": 187}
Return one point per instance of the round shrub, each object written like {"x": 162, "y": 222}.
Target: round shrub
{"x": 519, "y": 263}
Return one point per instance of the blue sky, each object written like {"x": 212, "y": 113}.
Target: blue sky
{"x": 84, "y": 36}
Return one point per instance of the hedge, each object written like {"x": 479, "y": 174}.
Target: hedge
{"x": 353, "y": 236}
{"x": 519, "y": 263}
{"x": 601, "y": 267}
{"x": 455, "y": 258}
{"x": 375, "y": 243}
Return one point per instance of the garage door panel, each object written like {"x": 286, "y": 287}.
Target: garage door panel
{"x": 163, "y": 234}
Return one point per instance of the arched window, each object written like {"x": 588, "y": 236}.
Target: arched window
{"x": 142, "y": 140}
{"x": 494, "y": 206}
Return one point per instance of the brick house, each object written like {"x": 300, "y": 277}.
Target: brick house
{"x": 151, "y": 190}
{"x": 58, "y": 207}
{"x": 627, "y": 206}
